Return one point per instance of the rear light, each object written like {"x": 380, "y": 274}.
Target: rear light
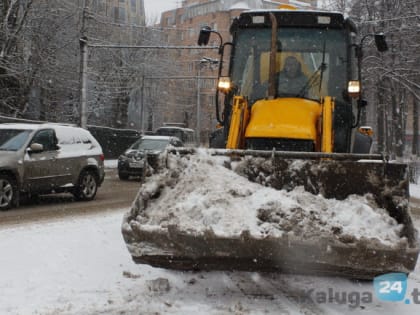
{"x": 102, "y": 157}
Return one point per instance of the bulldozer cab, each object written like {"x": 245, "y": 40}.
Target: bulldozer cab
{"x": 254, "y": 85}
{"x": 323, "y": 55}
{"x": 323, "y": 44}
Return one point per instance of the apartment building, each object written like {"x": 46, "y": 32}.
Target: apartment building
{"x": 120, "y": 11}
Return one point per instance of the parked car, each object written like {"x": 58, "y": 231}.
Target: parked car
{"x": 132, "y": 161}
{"x": 186, "y": 135}
{"x": 45, "y": 158}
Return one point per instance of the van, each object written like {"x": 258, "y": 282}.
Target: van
{"x": 186, "y": 135}
{"x": 45, "y": 158}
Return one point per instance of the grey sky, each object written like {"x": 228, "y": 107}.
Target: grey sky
{"x": 154, "y": 8}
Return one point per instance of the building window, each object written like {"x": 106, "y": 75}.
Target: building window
{"x": 211, "y": 99}
{"x": 101, "y": 6}
{"x": 133, "y": 5}
{"x": 119, "y": 14}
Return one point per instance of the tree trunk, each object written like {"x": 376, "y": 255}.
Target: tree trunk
{"x": 398, "y": 121}
{"x": 380, "y": 119}
{"x": 414, "y": 147}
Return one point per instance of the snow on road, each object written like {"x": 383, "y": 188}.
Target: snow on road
{"x": 81, "y": 266}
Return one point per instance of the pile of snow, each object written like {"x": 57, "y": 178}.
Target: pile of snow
{"x": 198, "y": 193}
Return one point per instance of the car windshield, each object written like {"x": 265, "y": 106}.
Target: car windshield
{"x": 150, "y": 144}
{"x": 13, "y": 139}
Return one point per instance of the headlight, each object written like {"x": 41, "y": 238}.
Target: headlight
{"x": 225, "y": 84}
{"x": 353, "y": 89}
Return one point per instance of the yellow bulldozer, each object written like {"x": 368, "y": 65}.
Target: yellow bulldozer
{"x": 291, "y": 92}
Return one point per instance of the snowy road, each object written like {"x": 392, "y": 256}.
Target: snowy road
{"x": 81, "y": 266}
{"x": 63, "y": 206}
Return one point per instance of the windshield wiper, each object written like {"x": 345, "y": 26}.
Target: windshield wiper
{"x": 313, "y": 79}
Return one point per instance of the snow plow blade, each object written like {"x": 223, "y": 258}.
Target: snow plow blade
{"x": 287, "y": 239}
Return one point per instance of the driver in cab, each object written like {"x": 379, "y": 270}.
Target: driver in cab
{"x": 291, "y": 79}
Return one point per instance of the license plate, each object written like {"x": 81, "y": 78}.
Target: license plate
{"x": 136, "y": 164}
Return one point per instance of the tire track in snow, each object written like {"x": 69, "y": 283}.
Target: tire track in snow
{"x": 294, "y": 295}
{"x": 274, "y": 288}
{"x": 255, "y": 287}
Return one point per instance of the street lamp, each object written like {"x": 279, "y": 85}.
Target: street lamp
{"x": 205, "y": 61}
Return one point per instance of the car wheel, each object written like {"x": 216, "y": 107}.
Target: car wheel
{"x": 8, "y": 192}
{"x": 123, "y": 176}
{"x": 87, "y": 186}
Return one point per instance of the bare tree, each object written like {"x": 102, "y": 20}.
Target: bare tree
{"x": 390, "y": 78}
{"x": 39, "y": 62}
{"x": 14, "y": 65}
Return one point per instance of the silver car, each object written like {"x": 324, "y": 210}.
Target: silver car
{"x": 45, "y": 158}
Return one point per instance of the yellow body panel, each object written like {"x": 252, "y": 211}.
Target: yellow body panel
{"x": 289, "y": 118}
{"x": 238, "y": 122}
{"x": 327, "y": 125}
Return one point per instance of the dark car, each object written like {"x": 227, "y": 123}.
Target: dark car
{"x": 132, "y": 161}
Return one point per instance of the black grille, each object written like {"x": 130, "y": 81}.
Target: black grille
{"x": 280, "y": 144}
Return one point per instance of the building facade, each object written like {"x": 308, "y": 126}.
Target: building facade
{"x": 120, "y": 11}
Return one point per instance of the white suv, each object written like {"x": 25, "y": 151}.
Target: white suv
{"x": 46, "y": 158}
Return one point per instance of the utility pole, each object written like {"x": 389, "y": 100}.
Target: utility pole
{"x": 198, "y": 126}
{"x": 142, "y": 106}
{"x": 83, "y": 70}
{"x": 201, "y": 63}
{"x": 83, "y": 82}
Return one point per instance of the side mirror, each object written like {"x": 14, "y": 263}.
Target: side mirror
{"x": 362, "y": 103}
{"x": 380, "y": 42}
{"x": 35, "y": 147}
{"x": 204, "y": 37}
